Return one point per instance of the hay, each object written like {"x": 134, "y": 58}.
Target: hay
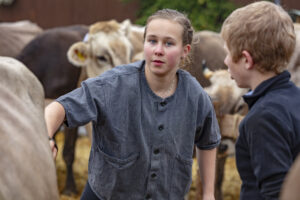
{"x": 80, "y": 166}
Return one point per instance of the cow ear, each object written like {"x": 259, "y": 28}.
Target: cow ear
{"x": 78, "y": 54}
{"x": 126, "y": 27}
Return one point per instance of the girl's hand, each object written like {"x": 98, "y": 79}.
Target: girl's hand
{"x": 53, "y": 147}
{"x": 208, "y": 197}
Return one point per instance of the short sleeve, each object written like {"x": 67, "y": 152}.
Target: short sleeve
{"x": 207, "y": 133}
{"x": 81, "y": 104}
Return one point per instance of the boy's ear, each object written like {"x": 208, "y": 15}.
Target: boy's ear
{"x": 248, "y": 59}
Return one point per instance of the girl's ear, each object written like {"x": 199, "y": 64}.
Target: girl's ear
{"x": 186, "y": 50}
{"x": 248, "y": 59}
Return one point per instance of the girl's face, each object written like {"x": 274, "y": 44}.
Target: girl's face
{"x": 163, "y": 48}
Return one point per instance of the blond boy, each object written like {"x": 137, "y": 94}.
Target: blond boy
{"x": 259, "y": 40}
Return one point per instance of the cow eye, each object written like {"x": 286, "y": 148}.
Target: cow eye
{"x": 102, "y": 58}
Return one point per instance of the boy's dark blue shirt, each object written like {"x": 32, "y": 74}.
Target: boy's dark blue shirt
{"x": 269, "y": 137}
{"x": 142, "y": 144}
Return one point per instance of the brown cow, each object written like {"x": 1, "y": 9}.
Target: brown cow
{"x": 207, "y": 46}
{"x": 15, "y": 35}
{"x": 46, "y": 57}
{"x": 27, "y": 170}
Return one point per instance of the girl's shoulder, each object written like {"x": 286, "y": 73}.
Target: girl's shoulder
{"x": 121, "y": 71}
{"x": 189, "y": 80}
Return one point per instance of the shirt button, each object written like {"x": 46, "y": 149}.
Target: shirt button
{"x": 161, "y": 127}
{"x": 156, "y": 151}
{"x": 148, "y": 196}
{"x": 163, "y": 103}
{"x": 153, "y": 175}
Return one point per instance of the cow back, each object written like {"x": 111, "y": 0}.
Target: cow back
{"x": 27, "y": 170}
{"x": 46, "y": 57}
{"x": 15, "y": 36}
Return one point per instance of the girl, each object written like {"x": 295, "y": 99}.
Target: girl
{"x": 146, "y": 117}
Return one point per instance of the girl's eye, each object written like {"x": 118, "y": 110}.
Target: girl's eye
{"x": 168, "y": 44}
{"x": 152, "y": 41}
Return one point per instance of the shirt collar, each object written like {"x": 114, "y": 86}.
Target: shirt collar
{"x": 252, "y": 96}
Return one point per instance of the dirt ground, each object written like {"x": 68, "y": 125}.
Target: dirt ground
{"x": 231, "y": 184}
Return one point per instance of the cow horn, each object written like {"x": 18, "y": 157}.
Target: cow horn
{"x": 206, "y": 72}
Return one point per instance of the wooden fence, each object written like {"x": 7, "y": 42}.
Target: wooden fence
{"x": 53, "y": 13}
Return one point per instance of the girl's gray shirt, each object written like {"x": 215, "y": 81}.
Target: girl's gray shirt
{"x": 142, "y": 146}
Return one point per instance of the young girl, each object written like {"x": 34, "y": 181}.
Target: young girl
{"x": 146, "y": 117}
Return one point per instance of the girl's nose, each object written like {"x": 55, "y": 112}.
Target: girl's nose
{"x": 159, "y": 49}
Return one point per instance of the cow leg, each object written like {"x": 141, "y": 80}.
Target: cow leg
{"x": 68, "y": 155}
{"x": 220, "y": 164}
{"x": 89, "y": 130}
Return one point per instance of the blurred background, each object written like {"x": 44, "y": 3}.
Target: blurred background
{"x": 204, "y": 14}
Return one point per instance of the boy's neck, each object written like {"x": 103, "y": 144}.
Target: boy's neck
{"x": 258, "y": 77}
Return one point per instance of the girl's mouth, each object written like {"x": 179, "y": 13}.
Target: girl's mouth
{"x": 158, "y": 61}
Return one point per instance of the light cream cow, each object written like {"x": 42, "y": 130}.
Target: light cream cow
{"x": 27, "y": 169}
{"x": 14, "y": 36}
{"x": 230, "y": 109}
{"x": 108, "y": 45}
{"x": 294, "y": 64}
{"x": 227, "y": 99}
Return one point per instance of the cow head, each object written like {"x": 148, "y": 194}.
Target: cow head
{"x": 227, "y": 99}
{"x": 225, "y": 93}
{"x": 107, "y": 46}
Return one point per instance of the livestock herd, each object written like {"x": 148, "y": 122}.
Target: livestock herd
{"x": 60, "y": 58}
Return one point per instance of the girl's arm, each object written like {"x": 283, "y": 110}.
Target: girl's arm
{"x": 207, "y": 167}
{"x": 54, "y": 117}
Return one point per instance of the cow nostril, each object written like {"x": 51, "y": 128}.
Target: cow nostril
{"x": 223, "y": 148}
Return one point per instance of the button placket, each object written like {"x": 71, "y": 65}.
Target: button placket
{"x": 161, "y": 127}
{"x": 156, "y": 151}
{"x": 153, "y": 175}
{"x": 163, "y": 103}
{"x": 162, "y": 106}
{"x": 148, "y": 196}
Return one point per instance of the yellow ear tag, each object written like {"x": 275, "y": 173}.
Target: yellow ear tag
{"x": 81, "y": 56}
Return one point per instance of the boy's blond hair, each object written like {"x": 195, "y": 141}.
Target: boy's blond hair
{"x": 263, "y": 29}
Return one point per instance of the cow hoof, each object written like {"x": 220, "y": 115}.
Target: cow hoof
{"x": 69, "y": 191}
